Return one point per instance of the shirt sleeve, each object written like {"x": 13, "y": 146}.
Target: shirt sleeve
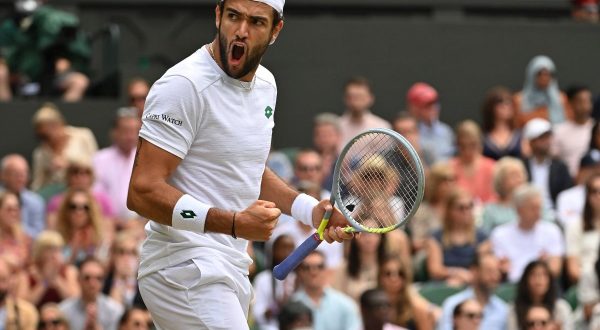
{"x": 573, "y": 240}
{"x": 172, "y": 115}
{"x": 555, "y": 242}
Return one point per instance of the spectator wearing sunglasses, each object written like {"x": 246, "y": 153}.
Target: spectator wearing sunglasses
{"x": 80, "y": 175}
{"x": 408, "y": 309}
{"x": 467, "y": 315}
{"x": 136, "y": 318}
{"x": 137, "y": 91}
{"x": 451, "y": 250}
{"x": 82, "y": 227}
{"x": 539, "y": 318}
{"x": 121, "y": 282}
{"x": 93, "y": 310}
{"x": 331, "y": 309}
{"x": 51, "y": 318}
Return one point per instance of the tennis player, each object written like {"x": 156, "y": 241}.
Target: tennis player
{"x": 200, "y": 174}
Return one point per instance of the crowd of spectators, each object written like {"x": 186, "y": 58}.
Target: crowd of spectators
{"x": 507, "y": 236}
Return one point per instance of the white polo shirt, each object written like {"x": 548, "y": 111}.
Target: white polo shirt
{"x": 222, "y": 132}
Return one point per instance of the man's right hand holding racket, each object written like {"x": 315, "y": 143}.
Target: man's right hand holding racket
{"x": 334, "y": 230}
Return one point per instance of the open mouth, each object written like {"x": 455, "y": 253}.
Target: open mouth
{"x": 237, "y": 52}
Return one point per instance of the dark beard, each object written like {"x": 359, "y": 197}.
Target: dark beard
{"x": 253, "y": 57}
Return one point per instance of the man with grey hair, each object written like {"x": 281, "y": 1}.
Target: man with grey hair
{"x": 113, "y": 165}
{"x": 519, "y": 242}
{"x": 14, "y": 175}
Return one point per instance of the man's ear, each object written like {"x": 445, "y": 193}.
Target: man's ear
{"x": 276, "y": 32}
{"x": 217, "y": 16}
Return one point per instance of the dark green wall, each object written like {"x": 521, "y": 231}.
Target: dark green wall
{"x": 461, "y": 55}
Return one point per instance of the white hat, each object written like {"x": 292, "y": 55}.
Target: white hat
{"x": 536, "y": 127}
{"x": 276, "y": 4}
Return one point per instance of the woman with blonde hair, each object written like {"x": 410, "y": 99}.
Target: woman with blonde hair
{"x": 121, "y": 279}
{"x": 48, "y": 278}
{"x": 452, "y": 249}
{"x": 80, "y": 224}
{"x": 474, "y": 171}
{"x": 14, "y": 242}
{"x": 410, "y": 310}
{"x": 509, "y": 174}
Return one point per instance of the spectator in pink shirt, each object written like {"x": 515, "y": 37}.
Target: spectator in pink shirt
{"x": 474, "y": 172}
{"x": 113, "y": 165}
{"x": 358, "y": 99}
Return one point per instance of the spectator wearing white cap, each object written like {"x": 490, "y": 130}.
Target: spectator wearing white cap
{"x": 548, "y": 174}
{"x": 422, "y": 102}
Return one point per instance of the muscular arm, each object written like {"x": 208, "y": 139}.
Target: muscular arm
{"x": 152, "y": 197}
{"x": 149, "y": 193}
{"x": 274, "y": 189}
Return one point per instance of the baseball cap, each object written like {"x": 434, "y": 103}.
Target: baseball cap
{"x": 276, "y": 4}
{"x": 536, "y": 127}
{"x": 591, "y": 158}
{"x": 421, "y": 94}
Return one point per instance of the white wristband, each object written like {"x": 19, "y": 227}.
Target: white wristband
{"x": 302, "y": 208}
{"x": 190, "y": 214}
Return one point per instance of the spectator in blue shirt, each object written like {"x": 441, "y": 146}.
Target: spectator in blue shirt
{"x": 14, "y": 174}
{"x": 423, "y": 103}
{"x": 486, "y": 276}
{"x": 331, "y": 309}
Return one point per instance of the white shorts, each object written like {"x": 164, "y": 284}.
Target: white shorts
{"x": 197, "y": 295}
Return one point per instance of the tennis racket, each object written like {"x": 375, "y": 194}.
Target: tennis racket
{"x": 378, "y": 184}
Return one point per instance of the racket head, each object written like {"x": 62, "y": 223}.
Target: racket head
{"x": 379, "y": 181}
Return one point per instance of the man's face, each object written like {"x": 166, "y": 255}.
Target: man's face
{"x": 15, "y": 175}
{"x": 311, "y": 272}
{"x": 488, "y": 274}
{"x": 125, "y": 134}
{"x": 245, "y": 29}
{"x": 137, "y": 95}
{"x": 309, "y": 167}
{"x": 541, "y": 145}
{"x": 91, "y": 279}
{"x": 326, "y": 137}
{"x": 358, "y": 98}
{"x": 407, "y": 127}
{"x": 582, "y": 103}
{"x": 530, "y": 212}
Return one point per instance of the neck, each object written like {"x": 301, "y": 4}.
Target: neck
{"x": 315, "y": 294}
{"x": 368, "y": 259}
{"x": 581, "y": 120}
{"x": 356, "y": 116}
{"x": 525, "y": 227}
{"x": 481, "y": 294}
{"x": 87, "y": 299}
{"x": 501, "y": 125}
{"x": 539, "y": 157}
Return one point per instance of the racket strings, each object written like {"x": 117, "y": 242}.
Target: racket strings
{"x": 378, "y": 181}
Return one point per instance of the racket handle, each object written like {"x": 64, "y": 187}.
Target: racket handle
{"x": 282, "y": 270}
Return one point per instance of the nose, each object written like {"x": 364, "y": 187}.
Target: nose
{"x": 242, "y": 31}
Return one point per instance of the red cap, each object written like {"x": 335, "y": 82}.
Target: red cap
{"x": 421, "y": 94}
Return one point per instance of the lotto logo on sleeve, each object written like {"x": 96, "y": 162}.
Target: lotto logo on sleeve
{"x": 188, "y": 214}
{"x": 268, "y": 112}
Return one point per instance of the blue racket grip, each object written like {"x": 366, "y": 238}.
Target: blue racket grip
{"x": 282, "y": 270}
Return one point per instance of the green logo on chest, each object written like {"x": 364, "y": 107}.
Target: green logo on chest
{"x": 268, "y": 112}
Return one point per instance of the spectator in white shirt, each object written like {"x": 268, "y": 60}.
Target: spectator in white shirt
{"x": 519, "y": 242}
